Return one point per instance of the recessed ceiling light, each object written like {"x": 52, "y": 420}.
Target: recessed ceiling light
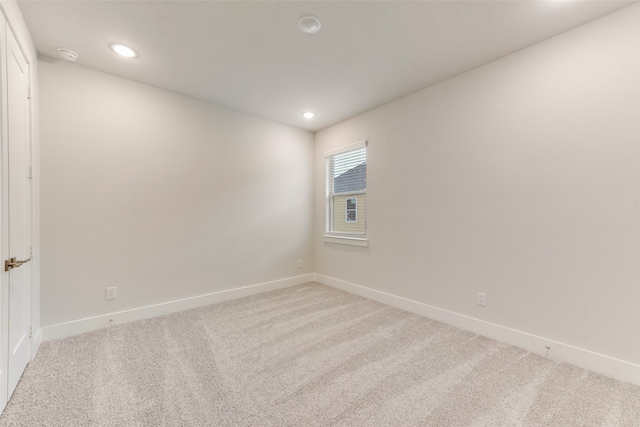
{"x": 123, "y": 50}
{"x": 308, "y": 115}
{"x": 309, "y": 24}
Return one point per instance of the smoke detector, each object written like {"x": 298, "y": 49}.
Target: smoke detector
{"x": 68, "y": 54}
{"x": 309, "y": 24}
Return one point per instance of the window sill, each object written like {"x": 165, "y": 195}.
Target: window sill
{"x": 343, "y": 240}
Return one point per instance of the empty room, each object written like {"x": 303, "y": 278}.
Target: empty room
{"x": 320, "y": 213}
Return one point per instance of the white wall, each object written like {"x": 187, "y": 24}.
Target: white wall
{"x": 520, "y": 179}
{"x": 161, "y": 195}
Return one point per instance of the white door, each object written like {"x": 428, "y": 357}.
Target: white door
{"x": 17, "y": 121}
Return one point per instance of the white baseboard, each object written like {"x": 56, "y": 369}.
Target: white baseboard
{"x": 615, "y": 368}
{"x": 36, "y": 340}
{"x": 81, "y": 326}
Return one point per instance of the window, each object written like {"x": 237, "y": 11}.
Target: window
{"x": 352, "y": 210}
{"x": 347, "y": 194}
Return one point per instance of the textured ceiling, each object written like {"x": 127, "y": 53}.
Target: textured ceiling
{"x": 251, "y": 57}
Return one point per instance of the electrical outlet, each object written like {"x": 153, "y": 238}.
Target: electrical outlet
{"x": 299, "y": 263}
{"x": 481, "y": 299}
{"x": 112, "y": 293}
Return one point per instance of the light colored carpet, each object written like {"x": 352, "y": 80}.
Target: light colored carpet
{"x": 308, "y": 355}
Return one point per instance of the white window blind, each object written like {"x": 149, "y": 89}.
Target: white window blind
{"x": 347, "y": 191}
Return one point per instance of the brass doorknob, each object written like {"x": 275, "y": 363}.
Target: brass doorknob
{"x": 13, "y": 263}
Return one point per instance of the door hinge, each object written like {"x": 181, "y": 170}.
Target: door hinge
{"x": 29, "y": 93}
{"x": 31, "y": 252}
{"x": 30, "y": 172}
{"x": 30, "y": 331}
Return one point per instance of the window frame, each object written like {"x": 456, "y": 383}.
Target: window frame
{"x": 330, "y": 236}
